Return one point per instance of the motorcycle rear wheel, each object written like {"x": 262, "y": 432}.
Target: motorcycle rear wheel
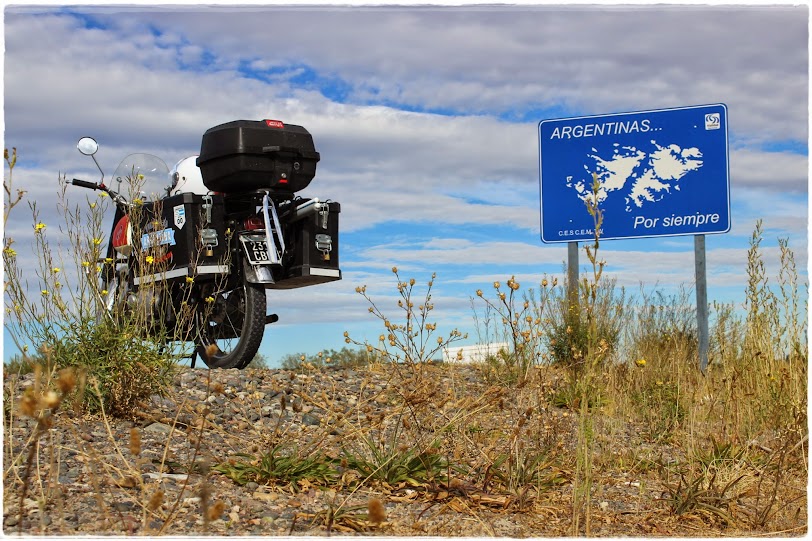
{"x": 248, "y": 322}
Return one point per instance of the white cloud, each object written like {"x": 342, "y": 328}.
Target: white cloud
{"x": 501, "y": 59}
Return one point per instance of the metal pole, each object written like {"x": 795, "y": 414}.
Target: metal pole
{"x": 701, "y": 300}
{"x": 572, "y": 273}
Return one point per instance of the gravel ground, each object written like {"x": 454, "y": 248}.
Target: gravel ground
{"x": 87, "y": 479}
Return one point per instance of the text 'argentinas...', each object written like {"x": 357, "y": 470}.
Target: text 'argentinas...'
{"x": 604, "y": 128}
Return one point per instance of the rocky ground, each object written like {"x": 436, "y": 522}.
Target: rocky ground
{"x": 153, "y": 474}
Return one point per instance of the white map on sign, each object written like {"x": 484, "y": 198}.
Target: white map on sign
{"x": 640, "y": 175}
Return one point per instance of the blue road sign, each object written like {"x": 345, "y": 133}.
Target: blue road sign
{"x": 661, "y": 173}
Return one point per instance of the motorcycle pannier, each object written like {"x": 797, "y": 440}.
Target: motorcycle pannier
{"x": 184, "y": 236}
{"x": 312, "y": 250}
{"x": 248, "y": 155}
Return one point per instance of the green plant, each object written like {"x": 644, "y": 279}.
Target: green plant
{"x": 283, "y": 464}
{"x": 584, "y": 370}
{"x": 400, "y": 465}
{"x": 569, "y": 395}
{"x": 567, "y": 327}
{"x": 760, "y": 366}
{"x": 259, "y": 361}
{"x": 391, "y": 460}
{"x": 660, "y": 405}
{"x": 343, "y": 358}
{"x": 661, "y": 327}
{"x": 702, "y": 494}
{"x": 58, "y": 309}
{"x": 19, "y": 364}
{"x": 519, "y": 471}
{"x": 347, "y": 519}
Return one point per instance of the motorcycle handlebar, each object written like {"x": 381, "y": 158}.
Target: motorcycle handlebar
{"x": 85, "y": 184}
{"x": 115, "y": 196}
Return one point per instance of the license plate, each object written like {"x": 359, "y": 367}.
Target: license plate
{"x": 256, "y": 250}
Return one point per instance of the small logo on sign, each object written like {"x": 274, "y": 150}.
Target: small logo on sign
{"x": 180, "y": 216}
{"x": 713, "y": 121}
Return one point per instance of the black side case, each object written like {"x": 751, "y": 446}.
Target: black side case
{"x": 185, "y": 239}
{"x": 248, "y": 155}
{"x": 312, "y": 251}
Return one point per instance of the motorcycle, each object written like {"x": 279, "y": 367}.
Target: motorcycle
{"x": 196, "y": 248}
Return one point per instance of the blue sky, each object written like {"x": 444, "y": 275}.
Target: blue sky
{"x": 427, "y": 124}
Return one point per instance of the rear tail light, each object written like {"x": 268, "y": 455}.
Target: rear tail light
{"x": 253, "y": 223}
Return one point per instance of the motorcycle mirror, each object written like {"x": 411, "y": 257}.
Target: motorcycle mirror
{"x": 87, "y": 146}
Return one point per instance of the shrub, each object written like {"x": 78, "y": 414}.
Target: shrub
{"x": 567, "y": 333}
{"x": 343, "y": 358}
{"x": 58, "y": 310}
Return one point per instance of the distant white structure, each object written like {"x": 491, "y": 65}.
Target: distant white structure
{"x": 473, "y": 354}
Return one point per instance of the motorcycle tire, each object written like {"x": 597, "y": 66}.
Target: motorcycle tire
{"x": 240, "y": 351}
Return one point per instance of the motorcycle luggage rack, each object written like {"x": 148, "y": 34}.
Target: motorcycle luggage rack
{"x": 272, "y": 234}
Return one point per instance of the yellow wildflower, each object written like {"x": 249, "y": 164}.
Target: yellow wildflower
{"x": 9, "y": 252}
{"x": 209, "y": 300}
{"x": 150, "y": 259}
{"x": 56, "y": 270}
{"x": 97, "y": 241}
{"x": 39, "y": 227}
{"x": 85, "y": 264}
{"x": 640, "y": 362}
{"x": 190, "y": 280}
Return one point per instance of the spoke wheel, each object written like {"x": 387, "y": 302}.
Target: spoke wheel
{"x": 231, "y": 333}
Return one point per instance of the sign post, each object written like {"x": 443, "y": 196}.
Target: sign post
{"x": 572, "y": 275}
{"x": 701, "y": 300}
{"x": 661, "y": 173}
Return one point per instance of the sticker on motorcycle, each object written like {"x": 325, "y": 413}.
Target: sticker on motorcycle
{"x": 157, "y": 238}
{"x": 180, "y": 216}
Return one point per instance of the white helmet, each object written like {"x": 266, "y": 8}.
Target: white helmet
{"x": 186, "y": 178}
